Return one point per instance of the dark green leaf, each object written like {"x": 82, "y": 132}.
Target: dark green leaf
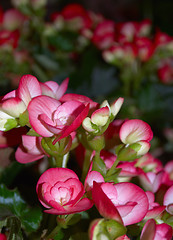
{"x": 31, "y": 218}
{"x": 11, "y": 204}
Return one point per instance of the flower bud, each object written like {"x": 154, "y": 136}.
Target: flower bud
{"x": 105, "y": 229}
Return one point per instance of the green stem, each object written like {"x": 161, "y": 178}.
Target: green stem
{"x": 59, "y": 160}
{"x": 53, "y": 233}
{"x": 86, "y": 164}
{"x": 111, "y": 170}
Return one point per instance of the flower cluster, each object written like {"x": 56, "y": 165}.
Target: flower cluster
{"x": 126, "y": 184}
{"x": 68, "y": 33}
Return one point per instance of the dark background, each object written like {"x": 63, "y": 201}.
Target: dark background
{"x": 159, "y": 11}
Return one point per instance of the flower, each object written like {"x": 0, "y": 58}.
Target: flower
{"x": 124, "y": 202}
{"x": 60, "y": 190}
{"x": 48, "y": 116}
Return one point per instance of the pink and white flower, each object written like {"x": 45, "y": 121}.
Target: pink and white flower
{"x": 61, "y": 192}
{"x": 48, "y": 116}
{"x": 123, "y": 202}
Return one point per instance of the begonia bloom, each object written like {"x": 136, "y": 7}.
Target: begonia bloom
{"x": 60, "y": 190}
{"x": 124, "y": 201}
{"x": 48, "y": 117}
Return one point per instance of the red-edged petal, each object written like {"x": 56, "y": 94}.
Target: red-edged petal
{"x": 29, "y": 87}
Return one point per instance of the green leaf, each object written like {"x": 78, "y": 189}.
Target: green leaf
{"x": 11, "y": 204}
{"x": 31, "y": 219}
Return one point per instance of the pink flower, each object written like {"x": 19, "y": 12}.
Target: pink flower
{"x": 60, "y": 190}
{"x": 123, "y": 202}
{"x": 30, "y": 150}
{"x": 154, "y": 231}
{"x": 135, "y": 130}
{"x": 48, "y": 117}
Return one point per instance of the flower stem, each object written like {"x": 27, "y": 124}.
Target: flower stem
{"x": 53, "y": 233}
{"x": 86, "y": 164}
{"x": 112, "y": 169}
{"x": 59, "y": 160}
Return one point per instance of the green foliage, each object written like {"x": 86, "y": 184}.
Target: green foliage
{"x": 17, "y": 212}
